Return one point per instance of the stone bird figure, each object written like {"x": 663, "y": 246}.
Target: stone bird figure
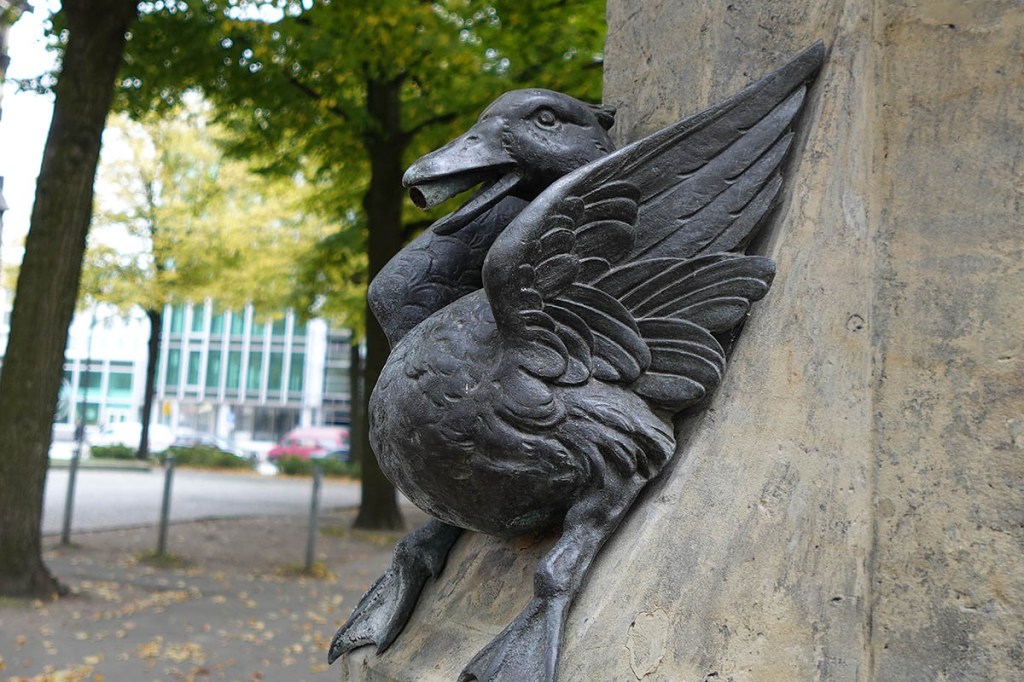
{"x": 545, "y": 334}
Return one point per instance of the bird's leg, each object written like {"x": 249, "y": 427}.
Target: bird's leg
{"x": 528, "y": 648}
{"x": 384, "y": 609}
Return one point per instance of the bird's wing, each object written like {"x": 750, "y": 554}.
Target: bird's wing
{"x": 707, "y": 181}
{"x": 567, "y": 315}
{"x": 573, "y": 281}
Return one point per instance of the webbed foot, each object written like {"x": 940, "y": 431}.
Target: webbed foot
{"x": 525, "y": 650}
{"x": 385, "y": 608}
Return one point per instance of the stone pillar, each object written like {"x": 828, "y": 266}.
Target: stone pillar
{"x": 851, "y": 505}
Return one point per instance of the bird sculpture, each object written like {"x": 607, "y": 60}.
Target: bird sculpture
{"x": 545, "y": 335}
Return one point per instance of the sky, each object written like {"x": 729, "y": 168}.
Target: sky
{"x": 23, "y": 128}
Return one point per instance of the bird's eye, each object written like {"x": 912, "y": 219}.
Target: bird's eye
{"x": 546, "y": 118}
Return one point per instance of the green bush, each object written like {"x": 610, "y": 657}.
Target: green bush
{"x": 113, "y": 452}
{"x": 297, "y": 466}
{"x": 208, "y": 458}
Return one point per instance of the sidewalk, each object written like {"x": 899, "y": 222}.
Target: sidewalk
{"x": 235, "y": 609}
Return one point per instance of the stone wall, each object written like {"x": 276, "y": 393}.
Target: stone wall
{"x": 851, "y": 506}
{"x": 854, "y": 507}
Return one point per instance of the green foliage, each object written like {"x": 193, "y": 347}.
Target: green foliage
{"x": 175, "y": 220}
{"x": 207, "y": 458}
{"x": 296, "y": 92}
{"x": 112, "y": 452}
{"x": 298, "y": 466}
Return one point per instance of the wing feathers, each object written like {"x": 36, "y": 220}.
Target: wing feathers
{"x": 617, "y": 340}
{"x": 622, "y": 266}
{"x": 696, "y": 225}
{"x": 686, "y": 363}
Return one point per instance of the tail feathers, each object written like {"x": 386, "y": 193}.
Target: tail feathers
{"x": 617, "y": 433}
{"x": 678, "y": 305}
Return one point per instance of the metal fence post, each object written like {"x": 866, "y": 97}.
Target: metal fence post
{"x": 314, "y": 511}
{"x": 165, "y": 507}
{"x": 69, "y": 500}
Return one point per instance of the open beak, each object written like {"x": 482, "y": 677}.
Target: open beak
{"x": 475, "y": 158}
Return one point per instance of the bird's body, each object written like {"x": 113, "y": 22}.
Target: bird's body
{"x": 545, "y": 334}
{"x": 472, "y": 418}
{"x": 447, "y": 432}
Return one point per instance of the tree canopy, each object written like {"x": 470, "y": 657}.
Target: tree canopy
{"x": 350, "y": 93}
{"x": 177, "y": 220}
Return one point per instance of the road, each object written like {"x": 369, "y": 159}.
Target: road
{"x": 124, "y": 499}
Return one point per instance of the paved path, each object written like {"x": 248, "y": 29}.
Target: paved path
{"x": 230, "y": 613}
{"x": 126, "y": 499}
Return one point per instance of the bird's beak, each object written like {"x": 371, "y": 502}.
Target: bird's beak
{"x": 475, "y": 158}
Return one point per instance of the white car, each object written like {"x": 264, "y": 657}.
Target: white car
{"x": 129, "y": 434}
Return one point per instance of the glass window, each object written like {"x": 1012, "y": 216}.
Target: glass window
{"x": 119, "y": 386}
{"x": 299, "y": 329}
{"x": 278, "y": 327}
{"x": 217, "y": 324}
{"x": 336, "y": 382}
{"x": 255, "y": 371}
{"x": 198, "y": 318}
{"x": 193, "y": 368}
{"x": 173, "y": 367}
{"x": 276, "y": 371}
{"x": 213, "y": 369}
{"x": 177, "y": 319}
{"x": 90, "y": 379}
{"x": 237, "y": 324}
{"x": 234, "y": 369}
{"x": 92, "y": 412}
{"x": 257, "y": 328}
{"x": 296, "y": 372}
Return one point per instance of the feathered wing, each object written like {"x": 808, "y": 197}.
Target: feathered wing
{"x": 620, "y": 270}
{"x": 647, "y": 324}
{"x": 707, "y": 181}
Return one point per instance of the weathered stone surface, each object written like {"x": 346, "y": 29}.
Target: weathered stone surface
{"x": 852, "y": 504}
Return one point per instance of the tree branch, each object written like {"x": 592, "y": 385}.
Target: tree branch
{"x": 435, "y": 120}
{"x": 317, "y": 97}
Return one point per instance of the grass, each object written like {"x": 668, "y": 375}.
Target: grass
{"x": 297, "y": 466}
{"x": 113, "y": 452}
{"x": 208, "y": 458}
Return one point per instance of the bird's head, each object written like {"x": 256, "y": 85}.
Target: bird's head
{"x": 522, "y": 142}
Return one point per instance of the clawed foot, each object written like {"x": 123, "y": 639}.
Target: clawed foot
{"x": 379, "y": 617}
{"x": 525, "y": 650}
{"x": 383, "y": 611}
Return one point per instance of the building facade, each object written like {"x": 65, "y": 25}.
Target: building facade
{"x": 229, "y": 373}
{"x": 233, "y": 373}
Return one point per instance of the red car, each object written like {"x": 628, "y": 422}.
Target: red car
{"x": 313, "y": 442}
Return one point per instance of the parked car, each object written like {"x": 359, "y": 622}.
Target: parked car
{"x": 129, "y": 434}
{"x": 212, "y": 442}
{"x": 313, "y": 442}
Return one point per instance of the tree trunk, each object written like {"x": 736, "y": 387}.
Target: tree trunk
{"x": 383, "y": 206}
{"x": 156, "y": 326}
{"x": 48, "y": 283}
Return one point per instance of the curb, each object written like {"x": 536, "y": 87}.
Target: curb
{"x": 103, "y": 464}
